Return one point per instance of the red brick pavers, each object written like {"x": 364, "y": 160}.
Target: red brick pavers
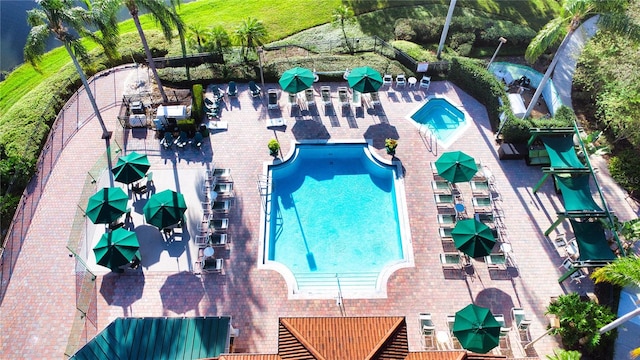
{"x": 39, "y": 304}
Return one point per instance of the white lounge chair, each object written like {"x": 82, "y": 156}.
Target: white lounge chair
{"x": 425, "y": 82}
{"x": 343, "y": 95}
{"x": 273, "y": 99}
{"x": 401, "y": 80}
{"x": 356, "y": 99}
{"x": 210, "y": 265}
{"x": 375, "y": 98}
{"x": 325, "y": 91}
{"x": 219, "y": 224}
{"x": 387, "y": 80}
{"x": 309, "y": 97}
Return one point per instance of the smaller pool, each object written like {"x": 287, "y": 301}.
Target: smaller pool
{"x": 441, "y": 118}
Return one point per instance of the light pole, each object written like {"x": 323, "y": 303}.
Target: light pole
{"x": 260, "y": 62}
{"x": 502, "y": 41}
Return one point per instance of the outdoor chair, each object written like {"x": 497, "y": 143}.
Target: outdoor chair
{"x": 520, "y": 323}
{"x": 325, "y": 92}
{"x": 232, "y": 89}
{"x": 218, "y": 239}
{"x": 445, "y": 232}
{"x": 387, "y": 80}
{"x": 254, "y": 89}
{"x": 221, "y": 206}
{"x": 272, "y": 97}
{"x": 446, "y": 219}
{"x": 210, "y": 104}
{"x": 375, "y": 98}
{"x": 451, "y": 319}
{"x": 401, "y": 80}
{"x": 496, "y": 261}
{"x": 428, "y": 330}
{"x": 443, "y": 198}
{"x": 197, "y": 140}
{"x": 480, "y": 187}
{"x": 219, "y": 224}
{"x": 293, "y": 100}
{"x": 451, "y": 260}
{"x": 167, "y": 141}
{"x": 356, "y": 99}
{"x": 441, "y": 187}
{"x": 202, "y": 240}
{"x": 210, "y": 265}
{"x": 222, "y": 173}
{"x": 504, "y": 331}
{"x": 343, "y": 95}
{"x": 309, "y": 97}
{"x": 425, "y": 82}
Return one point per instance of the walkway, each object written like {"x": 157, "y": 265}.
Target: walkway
{"x": 40, "y": 302}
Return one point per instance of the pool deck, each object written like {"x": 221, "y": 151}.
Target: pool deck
{"x": 39, "y": 304}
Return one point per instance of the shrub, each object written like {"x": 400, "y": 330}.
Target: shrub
{"x": 625, "y": 170}
{"x": 462, "y": 42}
{"x": 579, "y": 322}
{"x": 403, "y": 30}
{"x": 516, "y": 130}
{"x": 565, "y": 115}
{"x": 473, "y": 77}
{"x": 196, "y": 103}
{"x": 274, "y": 147}
{"x": 516, "y": 34}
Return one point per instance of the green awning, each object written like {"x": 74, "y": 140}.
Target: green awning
{"x": 592, "y": 241}
{"x": 561, "y": 151}
{"x": 159, "y": 338}
{"x": 576, "y": 193}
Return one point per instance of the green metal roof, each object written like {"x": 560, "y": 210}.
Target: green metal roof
{"x": 159, "y": 338}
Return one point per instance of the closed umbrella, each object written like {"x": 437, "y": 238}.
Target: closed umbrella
{"x": 456, "y": 166}
{"x": 165, "y": 209}
{"x": 296, "y": 80}
{"x": 364, "y": 79}
{"x": 476, "y": 329}
{"x": 131, "y": 168}
{"x": 473, "y": 237}
{"x": 117, "y": 248}
{"x": 107, "y": 205}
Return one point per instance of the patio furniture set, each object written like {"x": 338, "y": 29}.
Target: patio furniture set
{"x": 445, "y": 340}
{"x": 212, "y": 238}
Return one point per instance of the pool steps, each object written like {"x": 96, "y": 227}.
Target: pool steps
{"x": 327, "y": 282}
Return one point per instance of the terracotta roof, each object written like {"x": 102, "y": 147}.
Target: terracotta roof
{"x": 250, "y": 357}
{"x": 437, "y": 355}
{"x": 341, "y": 338}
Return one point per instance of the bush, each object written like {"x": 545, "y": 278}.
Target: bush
{"x": 472, "y": 77}
{"x": 565, "y": 115}
{"x": 625, "y": 170}
{"x": 404, "y": 31}
{"x": 516, "y": 130}
{"x": 516, "y": 34}
{"x": 462, "y": 42}
{"x": 579, "y": 322}
{"x": 197, "y": 110}
{"x": 274, "y": 147}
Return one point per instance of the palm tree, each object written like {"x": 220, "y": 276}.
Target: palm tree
{"x": 251, "y": 34}
{"x": 62, "y": 20}
{"x": 103, "y": 17}
{"x": 624, "y": 271}
{"x": 197, "y": 37}
{"x": 165, "y": 17}
{"x": 343, "y": 15}
{"x": 217, "y": 39}
{"x": 612, "y": 18}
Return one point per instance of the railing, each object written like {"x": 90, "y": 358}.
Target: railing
{"x": 71, "y": 118}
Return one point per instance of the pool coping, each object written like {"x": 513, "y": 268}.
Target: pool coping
{"x": 385, "y": 273}
{"x": 459, "y": 131}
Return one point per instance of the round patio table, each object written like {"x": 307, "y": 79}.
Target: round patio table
{"x": 208, "y": 251}
{"x": 412, "y": 81}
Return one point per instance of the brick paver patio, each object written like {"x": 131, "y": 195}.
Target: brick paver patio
{"x": 37, "y": 311}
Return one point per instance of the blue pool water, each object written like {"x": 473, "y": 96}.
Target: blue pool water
{"x": 333, "y": 211}
{"x": 441, "y": 117}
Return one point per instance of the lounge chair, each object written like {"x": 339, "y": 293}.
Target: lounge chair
{"x": 293, "y": 100}
{"x": 221, "y": 206}
{"x": 428, "y": 330}
{"x": 325, "y": 91}
{"x": 375, "y": 98}
{"x": 219, "y": 224}
{"x": 210, "y": 104}
{"x": 343, "y": 95}
{"x": 218, "y": 239}
{"x": 356, "y": 99}
{"x": 222, "y": 173}
{"x": 425, "y": 82}
{"x": 401, "y": 80}
{"x": 309, "y": 96}
{"x": 232, "y": 89}
{"x": 387, "y": 80}
{"x": 272, "y": 95}
{"x": 451, "y": 260}
{"x": 182, "y": 140}
{"x": 224, "y": 189}
{"x": 255, "y": 89}
{"x": 441, "y": 187}
{"x": 197, "y": 140}
{"x": 210, "y": 265}
{"x": 167, "y": 140}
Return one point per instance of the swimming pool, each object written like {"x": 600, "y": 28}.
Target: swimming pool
{"x": 440, "y": 118}
{"x": 335, "y": 221}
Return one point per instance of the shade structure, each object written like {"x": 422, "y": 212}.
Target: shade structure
{"x": 131, "y": 168}
{"x": 165, "y": 209}
{"x": 364, "y": 79}
{"x": 296, "y": 80}
{"x": 456, "y": 166}
{"x": 107, "y": 205}
{"x": 473, "y": 237}
{"x": 117, "y": 248}
{"x": 476, "y": 329}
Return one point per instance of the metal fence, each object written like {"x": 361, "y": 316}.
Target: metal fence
{"x": 73, "y": 116}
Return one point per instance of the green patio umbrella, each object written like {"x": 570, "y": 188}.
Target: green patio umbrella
{"x": 364, "y": 79}
{"x": 131, "y": 168}
{"x": 165, "y": 208}
{"x": 117, "y": 248}
{"x": 107, "y": 205}
{"x": 473, "y": 237}
{"x": 476, "y": 329}
{"x": 296, "y": 80}
{"x": 456, "y": 166}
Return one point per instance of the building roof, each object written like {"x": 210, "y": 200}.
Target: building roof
{"x": 338, "y": 338}
{"x": 159, "y": 338}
